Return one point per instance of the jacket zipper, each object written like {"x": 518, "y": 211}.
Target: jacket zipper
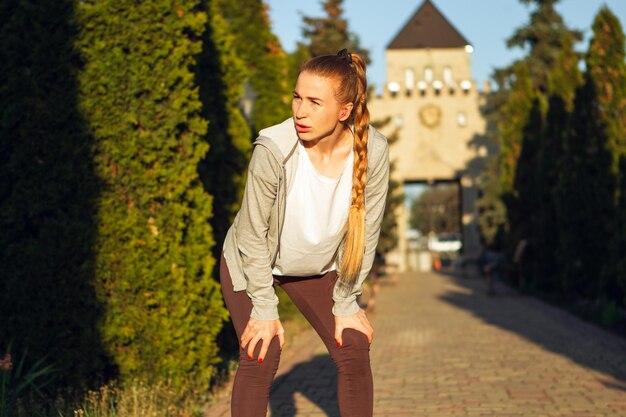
{"x": 279, "y": 226}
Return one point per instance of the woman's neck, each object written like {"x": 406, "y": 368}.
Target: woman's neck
{"x": 336, "y": 141}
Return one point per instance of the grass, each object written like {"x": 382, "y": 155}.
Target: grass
{"x": 132, "y": 399}
{"x": 135, "y": 400}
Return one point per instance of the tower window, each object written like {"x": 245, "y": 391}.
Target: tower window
{"x": 428, "y": 74}
{"x": 447, "y": 76}
{"x": 409, "y": 78}
{"x": 461, "y": 119}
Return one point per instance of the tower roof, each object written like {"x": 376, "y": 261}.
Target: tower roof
{"x": 428, "y": 28}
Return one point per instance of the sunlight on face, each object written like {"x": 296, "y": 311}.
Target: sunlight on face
{"x": 316, "y": 111}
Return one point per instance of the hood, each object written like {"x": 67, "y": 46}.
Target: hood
{"x": 281, "y": 139}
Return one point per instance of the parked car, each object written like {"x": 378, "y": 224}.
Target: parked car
{"x": 445, "y": 242}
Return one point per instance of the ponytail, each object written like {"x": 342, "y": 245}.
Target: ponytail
{"x": 355, "y": 226}
{"x": 349, "y": 69}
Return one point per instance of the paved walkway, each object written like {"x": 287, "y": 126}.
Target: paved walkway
{"x": 443, "y": 347}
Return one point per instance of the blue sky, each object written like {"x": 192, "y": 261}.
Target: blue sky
{"x": 485, "y": 23}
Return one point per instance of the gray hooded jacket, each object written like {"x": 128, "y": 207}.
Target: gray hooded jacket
{"x": 252, "y": 243}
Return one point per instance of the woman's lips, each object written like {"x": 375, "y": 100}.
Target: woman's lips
{"x": 302, "y": 128}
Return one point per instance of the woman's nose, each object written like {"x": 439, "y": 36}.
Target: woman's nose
{"x": 300, "y": 110}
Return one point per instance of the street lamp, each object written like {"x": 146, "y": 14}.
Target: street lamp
{"x": 246, "y": 103}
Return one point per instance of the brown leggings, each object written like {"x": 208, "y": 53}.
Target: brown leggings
{"x": 313, "y": 297}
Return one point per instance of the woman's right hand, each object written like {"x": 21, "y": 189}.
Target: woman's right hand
{"x": 260, "y": 330}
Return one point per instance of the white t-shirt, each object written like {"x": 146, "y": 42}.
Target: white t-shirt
{"x": 316, "y": 212}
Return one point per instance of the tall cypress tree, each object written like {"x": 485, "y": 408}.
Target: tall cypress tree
{"x": 549, "y": 69}
{"x": 589, "y": 192}
{"x": 618, "y": 245}
{"x": 153, "y": 259}
{"x": 546, "y": 220}
{"x": 221, "y": 74}
{"x": 585, "y": 200}
{"x": 49, "y": 194}
{"x": 524, "y": 205}
{"x": 606, "y": 66}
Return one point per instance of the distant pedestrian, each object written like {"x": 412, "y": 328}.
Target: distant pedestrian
{"x": 490, "y": 265}
{"x": 309, "y": 222}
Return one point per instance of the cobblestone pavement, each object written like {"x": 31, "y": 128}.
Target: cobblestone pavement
{"x": 442, "y": 347}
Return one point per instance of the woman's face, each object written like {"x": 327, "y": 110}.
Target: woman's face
{"x": 316, "y": 111}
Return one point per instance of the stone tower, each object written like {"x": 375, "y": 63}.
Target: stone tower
{"x": 434, "y": 106}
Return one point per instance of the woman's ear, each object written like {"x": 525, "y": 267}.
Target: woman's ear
{"x": 345, "y": 112}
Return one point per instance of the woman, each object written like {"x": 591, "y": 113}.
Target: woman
{"x": 309, "y": 222}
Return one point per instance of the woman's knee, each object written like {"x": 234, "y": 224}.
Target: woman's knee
{"x": 354, "y": 351}
{"x": 354, "y": 339}
{"x": 270, "y": 361}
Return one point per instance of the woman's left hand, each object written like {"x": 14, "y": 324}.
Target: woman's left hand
{"x": 358, "y": 321}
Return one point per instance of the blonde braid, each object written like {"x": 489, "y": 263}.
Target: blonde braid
{"x": 355, "y": 226}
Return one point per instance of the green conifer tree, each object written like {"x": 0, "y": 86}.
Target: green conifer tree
{"x": 606, "y": 65}
{"x": 221, "y": 74}
{"x": 153, "y": 249}
{"x": 619, "y": 237}
{"x": 524, "y": 206}
{"x": 388, "y": 238}
{"x": 546, "y": 268}
{"x": 49, "y": 195}
{"x": 584, "y": 201}
{"x": 589, "y": 186}
{"x": 549, "y": 69}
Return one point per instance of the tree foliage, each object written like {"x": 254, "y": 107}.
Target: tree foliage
{"x": 619, "y": 238}
{"x": 590, "y": 177}
{"x": 561, "y": 157}
{"x": 49, "y": 195}
{"x": 324, "y": 35}
{"x": 266, "y": 62}
{"x": 547, "y": 75}
{"x": 491, "y": 209}
{"x": 546, "y": 219}
{"x": 606, "y": 68}
{"x": 388, "y": 238}
{"x": 585, "y": 200}
{"x": 153, "y": 262}
{"x": 437, "y": 210}
{"x": 329, "y": 34}
{"x": 221, "y": 74}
